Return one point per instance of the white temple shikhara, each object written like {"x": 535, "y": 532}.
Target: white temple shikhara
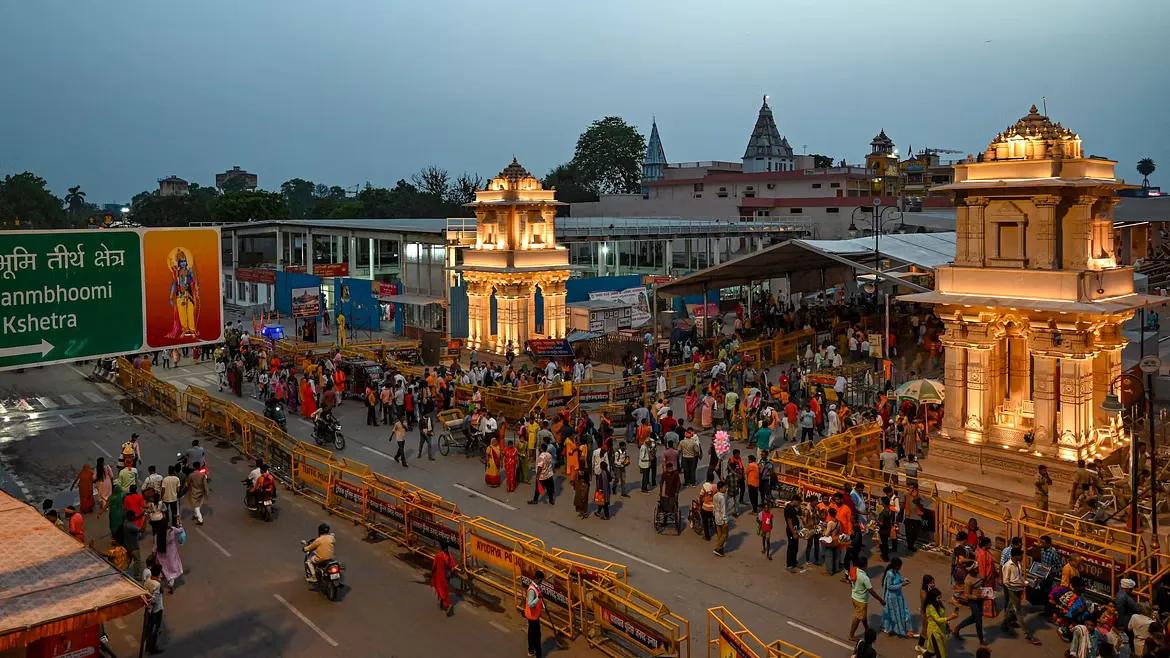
{"x": 515, "y": 252}
{"x": 1034, "y": 301}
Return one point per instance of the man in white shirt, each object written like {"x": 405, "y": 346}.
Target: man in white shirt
{"x": 550, "y": 369}
{"x": 1013, "y": 593}
{"x": 170, "y": 494}
{"x": 544, "y": 477}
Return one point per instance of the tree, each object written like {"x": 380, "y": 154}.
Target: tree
{"x": 822, "y": 161}
{"x": 567, "y": 182}
{"x": 1145, "y": 167}
{"x": 26, "y": 202}
{"x": 256, "y": 205}
{"x": 299, "y": 196}
{"x": 463, "y": 190}
{"x": 432, "y": 180}
{"x": 608, "y": 157}
{"x": 75, "y": 201}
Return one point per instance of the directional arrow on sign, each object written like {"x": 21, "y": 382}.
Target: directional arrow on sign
{"x": 20, "y": 350}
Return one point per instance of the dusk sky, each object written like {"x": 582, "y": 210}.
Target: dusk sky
{"x": 114, "y": 95}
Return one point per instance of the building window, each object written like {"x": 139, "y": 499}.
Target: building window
{"x": 253, "y": 294}
{"x": 722, "y": 194}
{"x": 771, "y": 186}
{"x": 749, "y": 194}
{"x": 833, "y": 185}
{"x": 816, "y": 186}
{"x": 241, "y": 291}
{"x": 832, "y": 210}
{"x": 698, "y": 187}
{"x": 795, "y": 211}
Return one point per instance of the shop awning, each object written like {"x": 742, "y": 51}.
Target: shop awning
{"x": 50, "y": 584}
{"x": 413, "y": 300}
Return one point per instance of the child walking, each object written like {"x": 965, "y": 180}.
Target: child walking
{"x": 764, "y": 524}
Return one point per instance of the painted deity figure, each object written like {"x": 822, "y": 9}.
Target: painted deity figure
{"x": 184, "y": 296}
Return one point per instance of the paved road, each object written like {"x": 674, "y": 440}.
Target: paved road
{"x": 244, "y": 591}
{"x": 808, "y": 609}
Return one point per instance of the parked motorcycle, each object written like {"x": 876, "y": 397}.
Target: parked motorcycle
{"x": 327, "y": 575}
{"x": 326, "y": 431}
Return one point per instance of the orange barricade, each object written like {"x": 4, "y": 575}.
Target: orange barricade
{"x": 428, "y": 526}
{"x": 386, "y": 502}
{"x": 623, "y": 622}
{"x": 727, "y": 636}
{"x": 348, "y": 489}
{"x": 557, "y": 588}
{"x": 491, "y": 550}
{"x": 310, "y": 473}
{"x": 167, "y": 399}
{"x": 194, "y": 404}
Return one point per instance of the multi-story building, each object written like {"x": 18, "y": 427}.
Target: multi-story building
{"x": 173, "y": 186}
{"x": 766, "y": 149}
{"x": 246, "y": 180}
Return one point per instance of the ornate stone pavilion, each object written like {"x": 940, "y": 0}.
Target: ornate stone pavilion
{"x": 514, "y": 254}
{"x": 1034, "y": 301}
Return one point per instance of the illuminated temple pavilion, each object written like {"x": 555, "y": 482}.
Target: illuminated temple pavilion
{"x": 515, "y": 254}
{"x": 1034, "y": 302}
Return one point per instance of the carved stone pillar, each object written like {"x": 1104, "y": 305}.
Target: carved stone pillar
{"x": 1044, "y": 398}
{"x": 1106, "y": 366}
{"x": 980, "y": 400}
{"x": 1078, "y": 223}
{"x": 477, "y": 314}
{"x": 976, "y": 227}
{"x": 955, "y": 378}
{"x": 1044, "y": 254}
{"x": 554, "y": 310}
{"x": 962, "y": 235}
{"x": 1076, "y": 404}
{"x": 1019, "y": 366}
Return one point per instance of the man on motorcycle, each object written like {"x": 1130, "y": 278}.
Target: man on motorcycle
{"x": 322, "y": 421}
{"x": 252, "y": 477}
{"x": 319, "y": 551}
{"x": 264, "y": 486}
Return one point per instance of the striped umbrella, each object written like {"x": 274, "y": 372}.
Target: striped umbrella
{"x": 921, "y": 391}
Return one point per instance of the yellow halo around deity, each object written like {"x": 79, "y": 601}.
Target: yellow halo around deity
{"x": 173, "y": 257}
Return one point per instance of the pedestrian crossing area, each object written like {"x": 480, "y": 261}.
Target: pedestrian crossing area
{"x": 201, "y": 381}
{"x": 56, "y": 402}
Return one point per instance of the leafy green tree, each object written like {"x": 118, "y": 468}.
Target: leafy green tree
{"x": 150, "y": 209}
{"x": 299, "y": 195}
{"x": 567, "y": 182}
{"x": 608, "y": 157}
{"x": 247, "y": 206}
{"x": 26, "y": 202}
{"x": 1145, "y": 167}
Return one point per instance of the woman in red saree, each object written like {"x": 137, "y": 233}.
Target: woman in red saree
{"x": 84, "y": 484}
{"x": 491, "y": 471}
{"x": 692, "y": 403}
{"x": 308, "y": 403}
{"x": 511, "y": 464}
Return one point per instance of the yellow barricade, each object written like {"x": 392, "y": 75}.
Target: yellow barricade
{"x": 194, "y": 405}
{"x": 491, "y": 552}
{"x": 953, "y": 512}
{"x": 1105, "y": 551}
{"x": 279, "y": 458}
{"x": 217, "y": 418}
{"x": 167, "y": 400}
{"x": 587, "y": 567}
{"x": 624, "y": 623}
{"x": 310, "y": 473}
{"x": 348, "y": 489}
{"x": 727, "y": 636}
{"x": 429, "y": 526}
{"x": 386, "y": 503}
{"x": 557, "y": 588}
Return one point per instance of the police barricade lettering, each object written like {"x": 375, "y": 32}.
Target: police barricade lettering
{"x": 556, "y": 589}
{"x": 1105, "y": 551}
{"x": 280, "y": 456}
{"x": 490, "y": 557}
{"x": 429, "y": 527}
{"x": 347, "y": 489}
{"x": 311, "y": 471}
{"x": 624, "y": 623}
{"x": 386, "y": 508}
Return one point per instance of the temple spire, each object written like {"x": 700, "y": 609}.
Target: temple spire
{"x": 655, "y": 160}
{"x": 766, "y": 149}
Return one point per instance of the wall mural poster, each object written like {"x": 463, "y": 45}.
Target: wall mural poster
{"x": 636, "y": 298}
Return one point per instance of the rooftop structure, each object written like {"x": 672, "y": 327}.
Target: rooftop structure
{"x": 766, "y": 149}
{"x": 655, "y": 159}
{"x": 173, "y": 186}
{"x": 236, "y": 177}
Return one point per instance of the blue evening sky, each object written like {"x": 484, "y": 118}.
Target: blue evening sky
{"x": 112, "y": 95}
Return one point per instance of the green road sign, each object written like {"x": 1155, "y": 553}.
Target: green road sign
{"x": 72, "y": 295}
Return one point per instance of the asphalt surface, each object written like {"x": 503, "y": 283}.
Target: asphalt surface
{"x": 808, "y": 609}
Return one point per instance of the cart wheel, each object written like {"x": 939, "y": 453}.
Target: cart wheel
{"x": 659, "y": 524}
{"x": 445, "y": 443}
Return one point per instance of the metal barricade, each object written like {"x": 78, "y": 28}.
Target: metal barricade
{"x": 623, "y": 622}
{"x": 310, "y": 471}
{"x": 490, "y": 557}
{"x": 166, "y": 400}
{"x": 194, "y": 404}
{"x": 954, "y": 512}
{"x": 1105, "y": 551}
{"x": 386, "y": 503}
{"x": 429, "y": 526}
{"x": 348, "y": 489}
{"x": 727, "y": 636}
{"x": 557, "y": 588}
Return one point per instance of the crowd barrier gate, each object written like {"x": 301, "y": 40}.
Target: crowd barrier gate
{"x": 310, "y": 471}
{"x": 491, "y": 552}
{"x": 557, "y": 589}
{"x": 1105, "y": 552}
{"x": 348, "y": 495}
{"x": 623, "y": 622}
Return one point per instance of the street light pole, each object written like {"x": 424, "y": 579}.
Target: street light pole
{"x": 1112, "y": 404}
{"x": 876, "y": 224}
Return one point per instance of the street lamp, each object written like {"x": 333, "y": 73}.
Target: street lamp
{"x": 1112, "y": 405}
{"x": 878, "y": 221}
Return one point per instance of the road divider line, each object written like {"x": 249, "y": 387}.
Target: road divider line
{"x": 621, "y": 552}
{"x": 486, "y": 497}
{"x": 378, "y": 452}
{"x": 827, "y": 638}
{"x": 499, "y": 627}
{"x": 308, "y": 622}
{"x": 103, "y": 450}
{"x": 212, "y": 541}
{"x": 69, "y": 399}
